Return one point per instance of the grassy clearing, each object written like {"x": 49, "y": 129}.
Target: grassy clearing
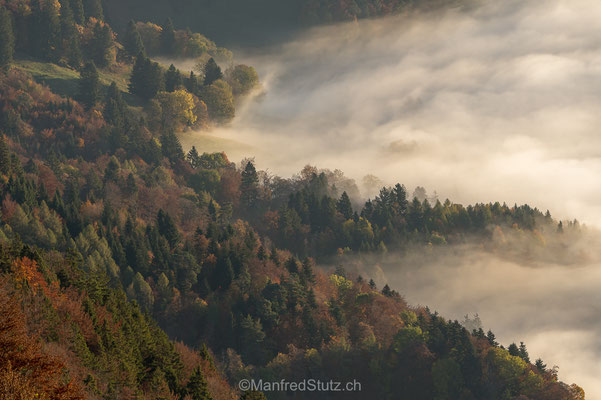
{"x": 65, "y": 81}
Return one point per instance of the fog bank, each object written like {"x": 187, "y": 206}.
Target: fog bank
{"x": 553, "y": 308}
{"x": 498, "y": 104}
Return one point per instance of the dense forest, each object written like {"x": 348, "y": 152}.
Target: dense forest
{"x": 262, "y": 21}
{"x": 132, "y": 269}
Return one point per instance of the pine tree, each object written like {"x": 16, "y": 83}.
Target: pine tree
{"x": 513, "y": 350}
{"x": 173, "y": 79}
{"x": 273, "y": 256}
{"x": 89, "y": 85}
{"x": 308, "y": 271}
{"x": 224, "y": 273}
{"x": 45, "y": 30}
{"x": 205, "y": 355}
{"x": 146, "y": 78}
{"x": 7, "y": 43}
{"x": 5, "y": 164}
{"x": 101, "y": 45}
{"x": 70, "y": 47}
{"x": 73, "y": 54}
{"x": 197, "y": 387}
{"x": 344, "y": 206}
{"x": 115, "y": 107}
{"x": 167, "y": 228}
{"x": 136, "y": 80}
{"x": 249, "y": 191}
{"x": 292, "y": 265}
{"x": 111, "y": 173}
{"x": 212, "y": 72}
{"x": 93, "y": 8}
{"x": 191, "y": 83}
{"x": 523, "y": 352}
{"x": 130, "y": 184}
{"x": 171, "y": 147}
{"x": 261, "y": 254}
{"x": 311, "y": 300}
{"x": 132, "y": 40}
{"x": 168, "y": 37}
{"x": 540, "y": 365}
{"x": 193, "y": 157}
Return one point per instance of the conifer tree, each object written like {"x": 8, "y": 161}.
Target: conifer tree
{"x": 308, "y": 271}
{"x": 524, "y": 352}
{"x": 261, "y": 254}
{"x": 111, "y": 173}
{"x": 205, "y": 355}
{"x": 513, "y": 350}
{"x": 7, "y": 43}
{"x": 89, "y": 85}
{"x": 70, "y": 46}
{"x": 540, "y": 365}
{"x": 197, "y": 387}
{"x": 167, "y": 228}
{"x": 249, "y": 186}
{"x": 146, "y": 78}
{"x": 212, "y": 72}
{"x": 171, "y": 147}
{"x": 114, "y": 108}
{"x": 344, "y": 206}
{"x": 132, "y": 40}
{"x": 5, "y": 163}
{"x": 136, "y": 80}
{"x": 101, "y": 45}
{"x": 490, "y": 336}
{"x": 130, "y": 184}
{"x": 45, "y": 30}
{"x": 191, "y": 83}
{"x": 168, "y": 37}
{"x": 224, "y": 273}
{"x": 193, "y": 157}
{"x": 173, "y": 79}
{"x": 292, "y": 265}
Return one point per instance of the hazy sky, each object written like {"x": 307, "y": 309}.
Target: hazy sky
{"x": 498, "y": 104}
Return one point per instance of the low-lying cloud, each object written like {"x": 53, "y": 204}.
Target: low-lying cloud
{"x": 500, "y": 103}
{"x": 553, "y": 307}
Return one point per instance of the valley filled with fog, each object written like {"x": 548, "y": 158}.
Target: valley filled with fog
{"x": 552, "y": 307}
{"x": 499, "y": 103}
{"x": 496, "y": 104}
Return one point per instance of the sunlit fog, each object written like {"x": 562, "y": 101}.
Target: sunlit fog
{"x": 499, "y": 103}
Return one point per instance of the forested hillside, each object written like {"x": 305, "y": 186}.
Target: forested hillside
{"x": 260, "y": 22}
{"x": 130, "y": 269}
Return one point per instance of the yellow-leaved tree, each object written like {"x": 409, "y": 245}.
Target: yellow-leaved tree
{"x": 177, "y": 109}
